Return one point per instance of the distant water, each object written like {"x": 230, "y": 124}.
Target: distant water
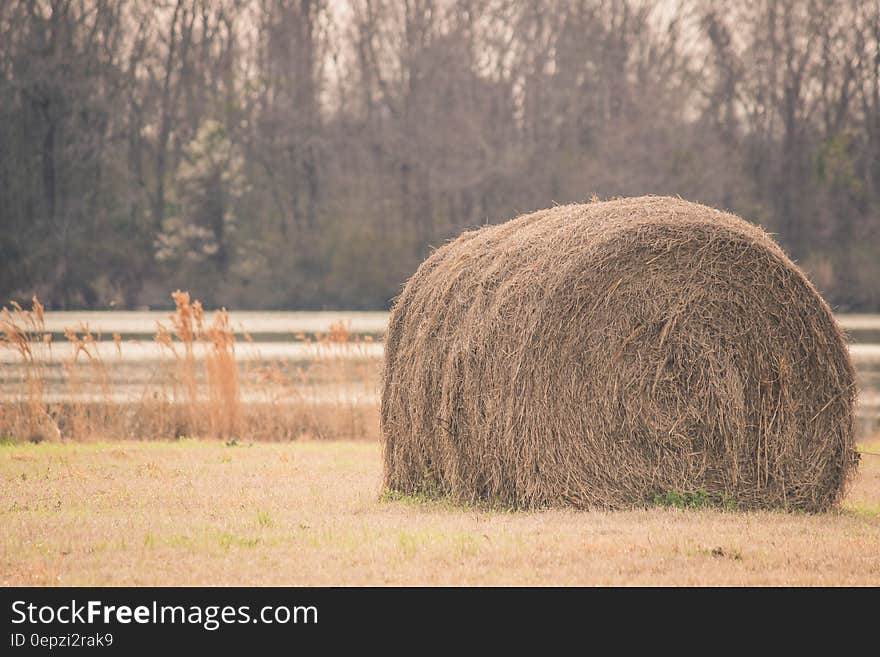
{"x": 148, "y": 351}
{"x": 284, "y": 334}
{"x": 290, "y": 336}
{"x": 284, "y": 322}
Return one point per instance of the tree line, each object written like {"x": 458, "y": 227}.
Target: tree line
{"x": 309, "y": 154}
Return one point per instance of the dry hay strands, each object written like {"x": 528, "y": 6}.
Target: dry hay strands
{"x": 605, "y": 354}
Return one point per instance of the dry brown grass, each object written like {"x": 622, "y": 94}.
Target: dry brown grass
{"x": 604, "y": 354}
{"x": 202, "y": 513}
{"x": 197, "y": 390}
{"x": 22, "y": 331}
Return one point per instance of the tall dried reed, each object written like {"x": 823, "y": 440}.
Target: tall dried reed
{"x": 24, "y": 331}
{"x": 199, "y": 388}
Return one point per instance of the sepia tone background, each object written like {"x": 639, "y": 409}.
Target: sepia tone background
{"x": 307, "y": 154}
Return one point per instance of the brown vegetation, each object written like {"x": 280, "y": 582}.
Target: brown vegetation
{"x": 198, "y": 389}
{"x": 611, "y": 354}
{"x": 203, "y": 513}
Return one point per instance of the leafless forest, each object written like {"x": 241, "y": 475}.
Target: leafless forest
{"x": 308, "y": 153}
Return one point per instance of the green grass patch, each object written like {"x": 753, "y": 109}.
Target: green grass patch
{"x": 438, "y": 500}
{"x": 228, "y": 540}
{"x": 264, "y": 519}
{"x": 863, "y": 510}
{"x": 390, "y": 495}
{"x": 699, "y": 499}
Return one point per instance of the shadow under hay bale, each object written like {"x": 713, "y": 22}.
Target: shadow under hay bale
{"x": 605, "y": 354}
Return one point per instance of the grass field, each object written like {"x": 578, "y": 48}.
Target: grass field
{"x": 313, "y": 513}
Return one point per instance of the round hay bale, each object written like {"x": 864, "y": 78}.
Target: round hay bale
{"x": 605, "y": 354}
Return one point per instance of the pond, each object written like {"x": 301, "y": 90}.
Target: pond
{"x": 288, "y": 339}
